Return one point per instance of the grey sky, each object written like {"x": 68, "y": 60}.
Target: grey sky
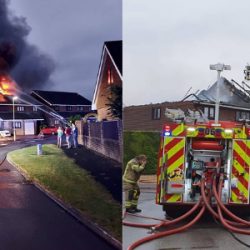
{"x": 169, "y": 45}
{"x": 73, "y": 33}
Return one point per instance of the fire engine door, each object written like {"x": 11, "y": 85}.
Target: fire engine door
{"x": 172, "y": 186}
{"x": 239, "y": 182}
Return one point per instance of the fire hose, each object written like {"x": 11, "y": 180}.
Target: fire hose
{"x": 228, "y": 224}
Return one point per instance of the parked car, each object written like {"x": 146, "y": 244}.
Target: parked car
{"x": 50, "y": 130}
{"x": 4, "y": 132}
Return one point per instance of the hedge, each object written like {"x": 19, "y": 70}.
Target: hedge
{"x": 142, "y": 142}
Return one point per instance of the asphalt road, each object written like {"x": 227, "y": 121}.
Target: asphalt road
{"x": 31, "y": 220}
{"x": 206, "y": 234}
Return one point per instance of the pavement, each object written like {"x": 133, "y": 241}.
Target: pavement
{"x": 205, "y": 234}
{"x": 29, "y": 219}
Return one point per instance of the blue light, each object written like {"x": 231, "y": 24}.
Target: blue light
{"x": 167, "y": 133}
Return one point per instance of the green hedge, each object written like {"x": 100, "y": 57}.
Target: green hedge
{"x": 142, "y": 142}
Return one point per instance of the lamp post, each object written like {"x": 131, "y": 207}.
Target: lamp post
{"x": 219, "y": 67}
{"x": 14, "y": 125}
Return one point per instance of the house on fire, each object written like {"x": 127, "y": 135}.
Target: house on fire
{"x": 109, "y": 74}
{"x": 234, "y": 105}
{"x": 27, "y": 115}
{"x": 66, "y": 104}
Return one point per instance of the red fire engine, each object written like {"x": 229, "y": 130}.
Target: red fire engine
{"x": 191, "y": 153}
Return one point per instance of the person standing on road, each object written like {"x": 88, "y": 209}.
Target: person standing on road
{"x": 59, "y": 137}
{"x": 130, "y": 178}
{"x": 75, "y": 133}
{"x": 68, "y": 136}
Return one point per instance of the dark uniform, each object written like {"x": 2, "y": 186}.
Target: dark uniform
{"x": 130, "y": 178}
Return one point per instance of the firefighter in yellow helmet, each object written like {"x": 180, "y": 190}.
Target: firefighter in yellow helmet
{"x": 130, "y": 178}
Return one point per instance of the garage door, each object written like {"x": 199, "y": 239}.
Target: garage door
{"x": 29, "y": 128}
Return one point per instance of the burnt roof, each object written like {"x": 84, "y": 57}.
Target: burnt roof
{"x": 115, "y": 49}
{"x": 62, "y": 98}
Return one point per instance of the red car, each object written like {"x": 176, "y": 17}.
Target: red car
{"x": 50, "y": 130}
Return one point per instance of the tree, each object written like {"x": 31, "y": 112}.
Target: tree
{"x": 115, "y": 102}
{"x": 74, "y": 118}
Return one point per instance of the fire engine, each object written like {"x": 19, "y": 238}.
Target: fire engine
{"x": 196, "y": 148}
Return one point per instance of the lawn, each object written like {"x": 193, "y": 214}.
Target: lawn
{"x": 61, "y": 176}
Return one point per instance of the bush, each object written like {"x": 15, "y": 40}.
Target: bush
{"x": 142, "y": 142}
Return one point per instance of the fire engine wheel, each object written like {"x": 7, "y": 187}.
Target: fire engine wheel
{"x": 53, "y": 133}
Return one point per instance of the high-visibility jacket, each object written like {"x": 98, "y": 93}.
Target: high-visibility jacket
{"x": 132, "y": 172}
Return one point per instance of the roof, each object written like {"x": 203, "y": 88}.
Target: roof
{"x": 20, "y": 116}
{"x": 115, "y": 49}
{"x": 61, "y": 98}
{"x": 23, "y": 99}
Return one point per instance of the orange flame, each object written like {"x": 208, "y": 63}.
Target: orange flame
{"x": 7, "y": 85}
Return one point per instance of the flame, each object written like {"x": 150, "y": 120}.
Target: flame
{"x": 7, "y": 85}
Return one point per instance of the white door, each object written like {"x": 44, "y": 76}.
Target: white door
{"x": 29, "y": 128}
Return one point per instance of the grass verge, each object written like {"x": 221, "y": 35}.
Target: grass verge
{"x": 60, "y": 175}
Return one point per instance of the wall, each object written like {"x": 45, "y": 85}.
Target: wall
{"x": 102, "y": 137}
{"x": 141, "y": 117}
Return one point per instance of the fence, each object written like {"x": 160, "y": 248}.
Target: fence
{"x": 103, "y": 137}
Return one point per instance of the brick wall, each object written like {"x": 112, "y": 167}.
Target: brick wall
{"x": 141, "y": 117}
{"x": 102, "y": 137}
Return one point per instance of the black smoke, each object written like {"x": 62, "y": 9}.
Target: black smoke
{"x": 28, "y": 66}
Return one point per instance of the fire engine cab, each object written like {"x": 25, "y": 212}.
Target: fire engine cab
{"x": 197, "y": 148}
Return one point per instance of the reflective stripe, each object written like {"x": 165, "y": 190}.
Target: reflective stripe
{"x": 128, "y": 181}
{"x": 137, "y": 166}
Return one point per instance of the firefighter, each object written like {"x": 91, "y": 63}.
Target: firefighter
{"x": 130, "y": 178}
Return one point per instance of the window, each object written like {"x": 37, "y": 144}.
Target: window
{"x": 56, "y": 108}
{"x": 156, "y": 114}
{"x": 110, "y": 77}
{"x": 68, "y": 108}
{"x": 20, "y": 108}
{"x": 242, "y": 115}
{"x": 56, "y": 122}
{"x": 3, "y": 108}
{"x": 80, "y": 108}
{"x": 34, "y": 108}
{"x": 209, "y": 112}
{"x": 17, "y": 124}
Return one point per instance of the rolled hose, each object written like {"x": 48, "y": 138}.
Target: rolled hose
{"x": 210, "y": 209}
{"x": 159, "y": 235}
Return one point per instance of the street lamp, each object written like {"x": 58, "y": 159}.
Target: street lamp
{"x": 219, "y": 67}
{"x": 14, "y": 125}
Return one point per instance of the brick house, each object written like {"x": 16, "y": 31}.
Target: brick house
{"x": 28, "y": 117}
{"x": 65, "y": 104}
{"x": 109, "y": 73}
{"x": 234, "y": 104}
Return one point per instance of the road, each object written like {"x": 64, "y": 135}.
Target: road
{"x": 206, "y": 234}
{"x": 31, "y": 220}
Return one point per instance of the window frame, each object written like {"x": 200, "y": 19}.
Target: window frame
{"x": 20, "y": 109}
{"x": 210, "y": 110}
{"x": 68, "y": 108}
{"x": 19, "y": 123}
{"x": 239, "y": 114}
{"x": 156, "y": 113}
